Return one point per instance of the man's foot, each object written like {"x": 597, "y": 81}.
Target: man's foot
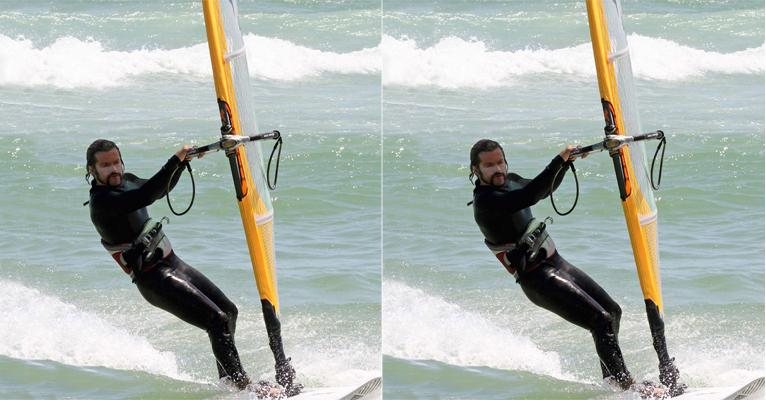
{"x": 286, "y": 378}
{"x": 266, "y": 390}
{"x": 669, "y": 377}
{"x": 650, "y": 390}
{"x": 261, "y": 389}
{"x": 621, "y": 381}
{"x": 238, "y": 381}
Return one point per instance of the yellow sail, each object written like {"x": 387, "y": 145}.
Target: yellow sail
{"x": 618, "y": 102}
{"x": 615, "y": 80}
{"x": 232, "y": 87}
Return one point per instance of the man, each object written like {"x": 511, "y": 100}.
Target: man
{"x": 501, "y": 205}
{"x": 118, "y": 202}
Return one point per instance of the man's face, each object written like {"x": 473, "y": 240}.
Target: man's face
{"x": 108, "y": 168}
{"x": 492, "y": 168}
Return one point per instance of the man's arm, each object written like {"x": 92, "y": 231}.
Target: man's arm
{"x": 550, "y": 186}
{"x": 154, "y": 188}
{"x": 178, "y": 173}
{"x": 533, "y": 191}
{"x": 559, "y": 177}
{"x": 181, "y": 155}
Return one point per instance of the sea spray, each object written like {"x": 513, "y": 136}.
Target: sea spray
{"x": 423, "y": 326}
{"x": 38, "y": 326}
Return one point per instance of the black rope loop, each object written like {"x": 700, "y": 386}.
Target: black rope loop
{"x": 661, "y": 145}
{"x": 278, "y": 149}
{"x": 194, "y": 191}
{"x": 577, "y": 189}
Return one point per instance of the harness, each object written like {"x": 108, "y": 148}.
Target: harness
{"x": 535, "y": 244}
{"x": 143, "y": 250}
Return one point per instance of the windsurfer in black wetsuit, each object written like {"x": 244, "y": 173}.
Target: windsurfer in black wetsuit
{"x": 118, "y": 202}
{"x": 501, "y": 205}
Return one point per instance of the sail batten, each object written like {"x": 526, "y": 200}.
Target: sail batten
{"x": 236, "y": 53}
{"x": 619, "y": 53}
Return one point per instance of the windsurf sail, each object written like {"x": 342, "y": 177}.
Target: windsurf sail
{"x": 618, "y": 101}
{"x": 232, "y": 88}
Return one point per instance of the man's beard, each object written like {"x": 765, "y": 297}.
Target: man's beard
{"x": 491, "y": 180}
{"x": 108, "y": 180}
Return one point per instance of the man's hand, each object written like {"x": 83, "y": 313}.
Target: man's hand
{"x": 566, "y": 154}
{"x": 182, "y": 153}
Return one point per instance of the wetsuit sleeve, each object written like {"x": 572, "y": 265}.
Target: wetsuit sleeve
{"x": 559, "y": 177}
{"x": 149, "y": 190}
{"x": 179, "y": 171}
{"x": 533, "y": 190}
{"x": 173, "y": 180}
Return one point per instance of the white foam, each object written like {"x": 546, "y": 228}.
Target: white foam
{"x": 420, "y": 326}
{"x": 278, "y": 59}
{"x": 331, "y": 368}
{"x": 662, "y": 59}
{"x": 71, "y": 62}
{"x": 328, "y": 359}
{"x": 716, "y": 358}
{"x": 458, "y": 63}
{"x": 37, "y": 326}
{"x": 452, "y": 62}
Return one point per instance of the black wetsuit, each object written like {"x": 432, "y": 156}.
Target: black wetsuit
{"x": 119, "y": 214}
{"x": 549, "y": 281}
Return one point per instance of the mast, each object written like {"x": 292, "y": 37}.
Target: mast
{"x": 616, "y": 88}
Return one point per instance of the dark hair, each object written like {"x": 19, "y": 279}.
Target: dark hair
{"x": 479, "y": 147}
{"x": 98, "y": 146}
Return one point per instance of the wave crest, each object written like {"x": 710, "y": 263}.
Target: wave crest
{"x": 37, "y": 326}
{"x": 422, "y": 326}
{"x": 70, "y": 62}
{"x": 451, "y": 63}
{"x": 458, "y": 63}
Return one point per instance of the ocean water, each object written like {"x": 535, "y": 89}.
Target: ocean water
{"x": 381, "y": 267}
{"x": 455, "y": 324}
{"x": 138, "y": 73}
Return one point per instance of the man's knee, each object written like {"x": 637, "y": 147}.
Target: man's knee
{"x": 604, "y": 321}
{"x": 229, "y": 309}
{"x": 220, "y": 322}
{"x": 616, "y": 312}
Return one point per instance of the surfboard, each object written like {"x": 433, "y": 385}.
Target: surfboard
{"x": 750, "y": 391}
{"x": 369, "y": 390}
